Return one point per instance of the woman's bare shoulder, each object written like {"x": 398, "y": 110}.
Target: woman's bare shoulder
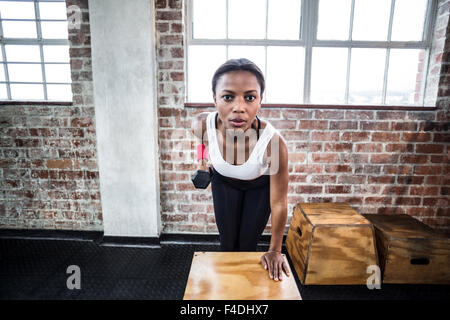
{"x": 199, "y": 124}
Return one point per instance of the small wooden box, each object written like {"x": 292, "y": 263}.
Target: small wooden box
{"x": 330, "y": 243}
{"x": 236, "y": 276}
{"x": 410, "y": 251}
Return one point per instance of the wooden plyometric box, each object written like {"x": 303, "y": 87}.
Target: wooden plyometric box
{"x": 331, "y": 243}
{"x": 236, "y": 276}
{"x": 410, "y": 251}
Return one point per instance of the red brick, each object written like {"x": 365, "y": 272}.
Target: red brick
{"x": 359, "y": 115}
{"x": 177, "y": 52}
{"x": 377, "y": 200}
{"x": 427, "y": 170}
{"x": 177, "y": 76}
{"x": 313, "y": 125}
{"x": 308, "y": 189}
{"x": 59, "y": 163}
{"x": 373, "y": 125}
{"x": 407, "y": 201}
{"x": 414, "y": 158}
{"x": 328, "y": 114}
{"x": 324, "y": 136}
{"x": 369, "y": 147}
{"x": 396, "y": 190}
{"x": 338, "y": 147}
{"x": 399, "y": 147}
{"x": 161, "y": 4}
{"x": 385, "y": 136}
{"x": 397, "y": 169}
{"x": 321, "y": 178}
{"x": 176, "y": 27}
{"x": 441, "y": 137}
{"x": 325, "y": 157}
{"x": 429, "y": 148}
{"x": 352, "y": 179}
{"x": 410, "y": 180}
{"x": 416, "y": 137}
{"x": 284, "y": 124}
{"x": 381, "y": 179}
{"x": 162, "y": 27}
{"x": 404, "y": 126}
{"x": 343, "y": 125}
{"x": 384, "y": 158}
{"x": 355, "y": 136}
{"x": 391, "y": 115}
{"x": 338, "y": 189}
{"x": 168, "y": 15}
{"x": 338, "y": 168}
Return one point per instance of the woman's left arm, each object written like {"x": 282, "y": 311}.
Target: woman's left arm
{"x": 273, "y": 260}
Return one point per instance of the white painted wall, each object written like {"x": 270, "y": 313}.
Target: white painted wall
{"x": 123, "y": 63}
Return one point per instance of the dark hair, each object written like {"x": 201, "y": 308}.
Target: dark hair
{"x": 241, "y": 64}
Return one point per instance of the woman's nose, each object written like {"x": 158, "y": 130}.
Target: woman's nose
{"x": 239, "y": 104}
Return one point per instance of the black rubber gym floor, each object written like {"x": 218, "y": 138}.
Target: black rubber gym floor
{"x": 37, "y": 269}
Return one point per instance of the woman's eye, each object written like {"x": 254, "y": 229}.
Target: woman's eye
{"x": 250, "y": 98}
{"x": 227, "y": 97}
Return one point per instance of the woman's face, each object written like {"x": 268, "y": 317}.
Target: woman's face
{"x": 237, "y": 99}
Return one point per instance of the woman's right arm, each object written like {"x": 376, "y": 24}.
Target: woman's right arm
{"x": 198, "y": 127}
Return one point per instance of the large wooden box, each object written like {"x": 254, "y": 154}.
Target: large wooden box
{"x": 236, "y": 276}
{"x": 410, "y": 251}
{"x": 330, "y": 243}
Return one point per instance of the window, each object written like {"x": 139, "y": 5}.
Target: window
{"x": 350, "y": 52}
{"x": 34, "y": 55}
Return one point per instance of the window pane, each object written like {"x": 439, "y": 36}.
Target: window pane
{"x": 52, "y": 10}
{"x": 284, "y": 19}
{"x": 404, "y": 76}
{"x": 22, "y": 53}
{"x": 3, "y": 92}
{"x": 209, "y": 19}
{"x": 284, "y": 81}
{"x": 56, "y": 53}
{"x": 60, "y": 92}
{"x": 409, "y": 19}
{"x": 57, "y": 73}
{"x": 334, "y": 19}
{"x": 19, "y": 29}
{"x": 27, "y": 91}
{"x": 371, "y": 19}
{"x": 17, "y": 10}
{"x": 54, "y": 30}
{"x": 203, "y": 62}
{"x": 25, "y": 72}
{"x": 2, "y": 72}
{"x": 328, "y": 75}
{"x": 367, "y": 76}
{"x": 246, "y": 19}
{"x": 254, "y": 53}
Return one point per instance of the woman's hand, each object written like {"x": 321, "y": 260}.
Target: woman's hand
{"x": 274, "y": 261}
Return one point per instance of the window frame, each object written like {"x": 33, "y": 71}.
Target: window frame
{"x": 308, "y": 40}
{"x": 32, "y": 41}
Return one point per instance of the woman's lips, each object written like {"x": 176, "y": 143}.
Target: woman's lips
{"x": 237, "y": 123}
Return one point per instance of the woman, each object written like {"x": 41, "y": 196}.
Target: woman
{"x": 252, "y": 182}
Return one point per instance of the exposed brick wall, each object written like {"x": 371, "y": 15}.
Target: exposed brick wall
{"x": 378, "y": 161}
{"x": 48, "y": 164}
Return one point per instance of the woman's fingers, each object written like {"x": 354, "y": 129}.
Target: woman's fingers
{"x": 285, "y": 268}
{"x": 275, "y": 271}
{"x": 270, "y": 263}
{"x": 264, "y": 262}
